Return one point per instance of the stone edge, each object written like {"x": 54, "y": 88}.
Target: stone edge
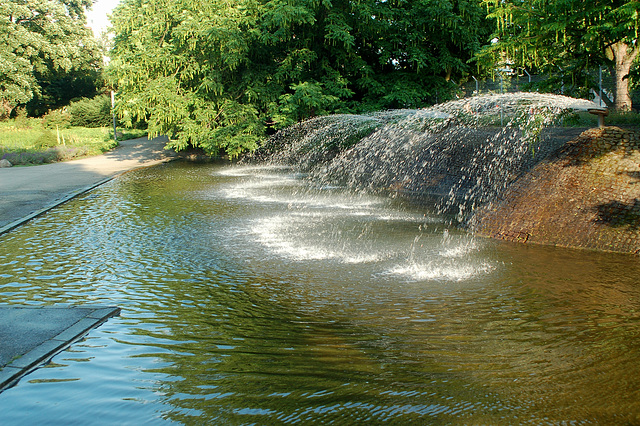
{"x": 73, "y": 194}
{"x": 14, "y": 371}
{"x": 56, "y": 203}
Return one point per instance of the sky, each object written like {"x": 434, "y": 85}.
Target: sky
{"x": 97, "y": 16}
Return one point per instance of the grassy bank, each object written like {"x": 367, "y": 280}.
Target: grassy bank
{"x": 29, "y": 142}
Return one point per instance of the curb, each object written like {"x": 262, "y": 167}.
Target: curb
{"x": 15, "y": 370}
{"x": 74, "y": 194}
{"x": 55, "y": 204}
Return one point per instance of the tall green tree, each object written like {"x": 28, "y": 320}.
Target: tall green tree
{"x": 569, "y": 35}
{"x": 220, "y": 75}
{"x": 41, "y": 41}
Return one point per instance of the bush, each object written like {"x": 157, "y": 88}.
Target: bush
{"x": 50, "y": 155}
{"x": 57, "y": 119}
{"x": 31, "y": 158}
{"x": 21, "y": 120}
{"x": 46, "y": 140}
{"x": 623, "y": 119}
{"x": 584, "y": 119}
{"x": 94, "y": 112}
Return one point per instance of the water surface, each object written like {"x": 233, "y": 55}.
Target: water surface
{"x": 249, "y": 297}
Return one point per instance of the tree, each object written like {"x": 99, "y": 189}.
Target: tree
{"x": 568, "y": 35}
{"x": 221, "y": 75}
{"x": 41, "y": 41}
{"x": 425, "y": 40}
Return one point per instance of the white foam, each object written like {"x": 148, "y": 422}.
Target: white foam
{"x": 439, "y": 271}
{"x": 322, "y": 225}
{"x": 240, "y": 171}
{"x": 458, "y": 248}
{"x": 279, "y": 235}
{"x": 260, "y": 190}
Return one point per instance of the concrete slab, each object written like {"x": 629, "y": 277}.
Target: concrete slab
{"x": 30, "y": 336}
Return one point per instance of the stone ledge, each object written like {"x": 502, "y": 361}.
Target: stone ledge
{"x": 585, "y": 195}
{"x": 33, "y": 335}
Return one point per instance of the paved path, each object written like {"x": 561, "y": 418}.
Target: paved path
{"x": 30, "y": 336}
{"x": 27, "y": 191}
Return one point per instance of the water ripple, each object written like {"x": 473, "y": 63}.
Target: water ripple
{"x": 328, "y": 309}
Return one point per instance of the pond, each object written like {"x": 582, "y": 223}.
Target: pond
{"x": 250, "y": 297}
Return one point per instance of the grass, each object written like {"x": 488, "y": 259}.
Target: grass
{"x": 26, "y": 141}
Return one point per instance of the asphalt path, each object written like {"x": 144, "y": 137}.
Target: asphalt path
{"x": 27, "y": 191}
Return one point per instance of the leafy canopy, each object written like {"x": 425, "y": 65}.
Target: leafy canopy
{"x": 42, "y": 41}
{"x": 221, "y": 75}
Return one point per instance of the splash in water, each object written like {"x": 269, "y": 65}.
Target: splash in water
{"x": 458, "y": 156}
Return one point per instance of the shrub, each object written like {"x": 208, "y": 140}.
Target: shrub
{"x": 94, "y": 112}
{"x": 50, "y": 155}
{"x": 21, "y": 120}
{"x": 31, "y": 158}
{"x": 46, "y": 140}
{"x": 623, "y": 119}
{"x": 57, "y": 119}
{"x": 584, "y": 119}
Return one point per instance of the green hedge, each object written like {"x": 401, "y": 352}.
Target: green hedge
{"x": 94, "y": 112}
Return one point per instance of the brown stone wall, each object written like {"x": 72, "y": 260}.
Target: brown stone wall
{"x": 586, "y": 195}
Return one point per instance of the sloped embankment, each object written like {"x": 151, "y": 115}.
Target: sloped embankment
{"x": 586, "y": 195}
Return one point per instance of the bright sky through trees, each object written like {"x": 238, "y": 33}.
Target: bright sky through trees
{"x": 97, "y": 16}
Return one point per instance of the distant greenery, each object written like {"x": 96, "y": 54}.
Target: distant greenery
{"x": 222, "y": 75}
{"x": 584, "y": 119}
{"x": 27, "y": 141}
{"x": 84, "y": 112}
{"x": 94, "y": 112}
{"x": 48, "y": 55}
{"x": 565, "y": 39}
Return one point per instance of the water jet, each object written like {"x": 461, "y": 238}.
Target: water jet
{"x": 262, "y": 294}
{"x": 458, "y": 159}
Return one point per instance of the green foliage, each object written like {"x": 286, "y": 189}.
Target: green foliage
{"x": 30, "y": 141}
{"x": 85, "y": 112}
{"x": 341, "y": 144}
{"x": 94, "y": 112}
{"x": 57, "y": 119}
{"x": 45, "y": 52}
{"x": 48, "y": 155}
{"x": 46, "y": 140}
{"x": 624, "y": 119}
{"x": 565, "y": 38}
{"x": 126, "y": 134}
{"x": 584, "y": 119}
{"x": 59, "y": 89}
{"x": 222, "y": 75}
{"x": 21, "y": 120}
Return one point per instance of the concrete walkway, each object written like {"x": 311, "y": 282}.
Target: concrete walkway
{"x": 30, "y": 336}
{"x": 26, "y": 192}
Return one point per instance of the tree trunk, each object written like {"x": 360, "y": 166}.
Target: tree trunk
{"x": 623, "y": 55}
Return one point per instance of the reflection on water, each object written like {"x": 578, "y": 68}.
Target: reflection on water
{"x": 249, "y": 298}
